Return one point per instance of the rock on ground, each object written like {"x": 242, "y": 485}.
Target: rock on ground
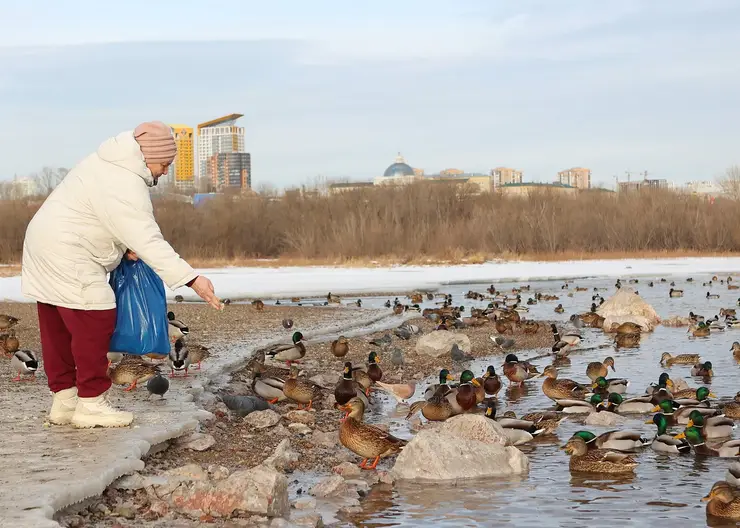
{"x": 260, "y": 490}
{"x": 197, "y": 441}
{"x": 325, "y": 439}
{"x": 347, "y": 470}
{"x": 603, "y": 418}
{"x": 439, "y": 343}
{"x": 283, "y": 456}
{"x": 262, "y": 419}
{"x": 624, "y": 306}
{"x": 299, "y": 428}
{"x": 467, "y": 448}
{"x": 333, "y": 486}
{"x": 303, "y": 417}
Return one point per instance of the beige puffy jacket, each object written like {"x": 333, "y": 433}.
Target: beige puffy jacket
{"x": 83, "y": 228}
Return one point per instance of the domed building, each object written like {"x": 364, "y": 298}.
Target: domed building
{"x": 398, "y": 172}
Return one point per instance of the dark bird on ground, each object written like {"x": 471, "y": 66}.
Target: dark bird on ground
{"x": 158, "y": 385}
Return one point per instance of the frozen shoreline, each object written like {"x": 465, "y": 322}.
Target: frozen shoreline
{"x": 273, "y": 283}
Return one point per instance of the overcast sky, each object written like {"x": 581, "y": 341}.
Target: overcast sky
{"x": 336, "y": 88}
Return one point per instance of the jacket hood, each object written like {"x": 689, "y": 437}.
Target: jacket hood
{"x": 123, "y": 151}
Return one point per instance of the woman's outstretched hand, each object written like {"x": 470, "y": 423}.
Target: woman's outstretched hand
{"x": 204, "y": 288}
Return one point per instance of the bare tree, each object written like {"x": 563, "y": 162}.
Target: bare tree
{"x": 730, "y": 182}
{"x": 49, "y": 178}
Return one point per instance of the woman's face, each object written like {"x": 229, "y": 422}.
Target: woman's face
{"x": 158, "y": 169}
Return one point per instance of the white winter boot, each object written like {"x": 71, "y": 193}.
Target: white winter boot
{"x": 98, "y": 412}
{"x": 63, "y": 406}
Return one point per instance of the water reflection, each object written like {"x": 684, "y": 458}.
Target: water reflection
{"x": 664, "y": 490}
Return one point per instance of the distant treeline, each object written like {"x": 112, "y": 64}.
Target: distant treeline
{"x": 439, "y": 222}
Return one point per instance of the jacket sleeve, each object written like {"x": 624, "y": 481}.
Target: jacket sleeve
{"x": 126, "y": 210}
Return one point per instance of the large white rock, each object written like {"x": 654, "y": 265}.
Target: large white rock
{"x": 624, "y": 306}
{"x": 439, "y": 343}
{"x": 260, "y": 490}
{"x": 466, "y": 446}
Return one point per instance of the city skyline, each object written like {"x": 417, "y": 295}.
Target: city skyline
{"x": 336, "y": 90}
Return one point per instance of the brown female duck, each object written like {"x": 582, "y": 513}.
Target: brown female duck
{"x": 722, "y": 501}
{"x": 597, "y": 460}
{"x": 300, "y": 390}
{"x": 561, "y": 389}
{"x": 597, "y": 369}
{"x": 366, "y": 440}
{"x": 340, "y": 347}
{"x": 681, "y": 359}
{"x": 132, "y": 371}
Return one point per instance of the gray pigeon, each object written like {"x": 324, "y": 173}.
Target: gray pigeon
{"x": 503, "y": 342}
{"x": 411, "y": 328}
{"x": 244, "y": 405}
{"x": 383, "y": 341}
{"x": 459, "y": 355}
{"x": 402, "y": 333}
{"x": 158, "y": 385}
{"x": 397, "y": 357}
{"x": 287, "y": 324}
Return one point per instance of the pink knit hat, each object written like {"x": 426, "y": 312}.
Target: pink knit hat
{"x": 156, "y": 142}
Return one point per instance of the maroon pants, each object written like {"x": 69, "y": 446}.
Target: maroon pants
{"x": 74, "y": 344}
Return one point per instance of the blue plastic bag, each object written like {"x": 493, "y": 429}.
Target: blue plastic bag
{"x": 141, "y": 319}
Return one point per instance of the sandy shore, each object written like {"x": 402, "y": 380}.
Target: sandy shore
{"x": 238, "y": 445}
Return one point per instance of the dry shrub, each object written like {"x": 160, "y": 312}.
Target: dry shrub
{"x": 438, "y": 221}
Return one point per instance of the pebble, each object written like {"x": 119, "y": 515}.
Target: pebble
{"x": 305, "y": 503}
{"x": 262, "y": 419}
{"x": 125, "y": 510}
{"x": 130, "y": 482}
{"x": 359, "y": 485}
{"x": 198, "y": 442}
{"x": 332, "y": 486}
{"x": 303, "y": 417}
{"x": 314, "y": 520}
{"x": 325, "y": 438}
{"x": 218, "y": 472}
{"x": 347, "y": 470}
{"x": 299, "y": 428}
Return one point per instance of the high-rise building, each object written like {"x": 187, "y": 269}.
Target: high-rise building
{"x": 218, "y": 136}
{"x": 230, "y": 170}
{"x": 505, "y": 176}
{"x": 181, "y": 172}
{"x": 577, "y": 177}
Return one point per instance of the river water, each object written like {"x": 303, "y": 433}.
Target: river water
{"x": 665, "y": 490}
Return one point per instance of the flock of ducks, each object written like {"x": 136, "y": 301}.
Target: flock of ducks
{"x": 131, "y": 370}
{"x": 687, "y": 419}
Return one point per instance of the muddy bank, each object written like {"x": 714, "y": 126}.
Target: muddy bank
{"x": 243, "y": 443}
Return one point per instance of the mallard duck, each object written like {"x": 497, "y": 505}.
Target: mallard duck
{"x": 627, "y": 340}
{"x": 661, "y": 391}
{"x": 597, "y": 460}
{"x": 733, "y": 474}
{"x": 561, "y": 389}
{"x": 517, "y": 371}
{"x": 24, "y": 362}
{"x": 257, "y": 366}
{"x": 333, "y": 299}
{"x": 579, "y": 406}
{"x": 289, "y": 353}
{"x": 547, "y": 421}
{"x": 340, "y": 347}
{"x": 605, "y": 386}
{"x": 347, "y": 388}
{"x": 626, "y": 328}
{"x": 465, "y": 392}
{"x": 301, "y": 390}
{"x": 258, "y": 305}
{"x": 364, "y": 439}
{"x": 712, "y": 296}
{"x": 696, "y": 398}
{"x": 179, "y": 359}
{"x": 722, "y": 501}
{"x": 699, "y": 330}
{"x": 198, "y": 354}
{"x": 675, "y": 293}
{"x": 624, "y": 441}
{"x": 176, "y": 328}
{"x": 597, "y": 369}
{"x": 132, "y": 372}
{"x": 559, "y": 309}
{"x": 444, "y": 377}
{"x": 735, "y": 350}
{"x": 640, "y": 405}
{"x": 437, "y": 408}
{"x": 10, "y": 343}
{"x": 563, "y": 342}
{"x": 518, "y": 431}
{"x": 711, "y": 427}
{"x": 268, "y": 387}
{"x": 373, "y": 368}
{"x": 678, "y": 415}
{"x": 681, "y": 359}
{"x": 7, "y": 321}
{"x": 491, "y": 381}
{"x": 703, "y": 370}
{"x": 729, "y": 449}
{"x": 114, "y": 357}
{"x": 663, "y": 442}
{"x": 732, "y": 409}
